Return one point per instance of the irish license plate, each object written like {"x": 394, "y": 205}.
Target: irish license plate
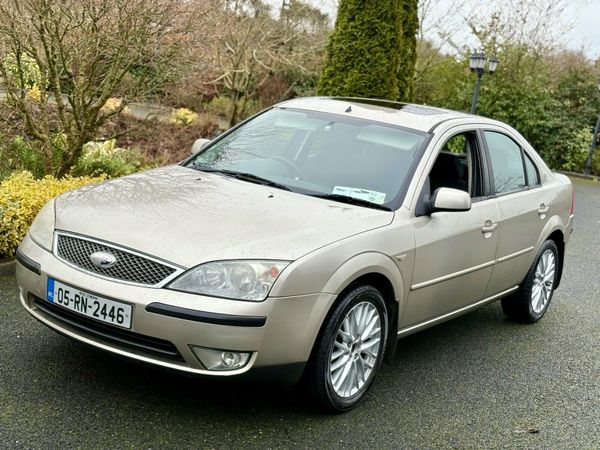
{"x": 90, "y": 305}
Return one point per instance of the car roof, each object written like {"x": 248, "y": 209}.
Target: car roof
{"x": 409, "y": 115}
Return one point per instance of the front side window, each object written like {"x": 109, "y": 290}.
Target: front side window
{"x": 507, "y": 162}
{"x": 318, "y": 154}
{"x": 451, "y": 168}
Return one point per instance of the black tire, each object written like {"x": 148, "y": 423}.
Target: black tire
{"x": 520, "y": 305}
{"x": 318, "y": 378}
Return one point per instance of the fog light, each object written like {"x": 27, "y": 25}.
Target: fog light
{"x": 220, "y": 359}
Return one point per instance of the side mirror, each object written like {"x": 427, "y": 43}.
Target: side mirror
{"x": 447, "y": 199}
{"x": 198, "y": 145}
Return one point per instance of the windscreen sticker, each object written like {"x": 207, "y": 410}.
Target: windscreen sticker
{"x": 364, "y": 194}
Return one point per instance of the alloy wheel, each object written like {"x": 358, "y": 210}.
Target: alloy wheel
{"x": 355, "y": 349}
{"x": 543, "y": 281}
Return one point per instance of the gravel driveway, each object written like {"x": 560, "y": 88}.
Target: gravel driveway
{"x": 477, "y": 381}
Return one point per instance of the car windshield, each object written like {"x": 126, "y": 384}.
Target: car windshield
{"x": 313, "y": 153}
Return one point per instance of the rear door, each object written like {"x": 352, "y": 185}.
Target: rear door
{"x": 524, "y": 206}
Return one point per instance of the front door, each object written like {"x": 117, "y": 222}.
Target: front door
{"x": 454, "y": 251}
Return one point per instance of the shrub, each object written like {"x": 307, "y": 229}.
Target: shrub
{"x": 31, "y": 74}
{"x": 575, "y": 150}
{"x": 364, "y": 50}
{"x": 20, "y": 154}
{"x": 159, "y": 141}
{"x": 105, "y": 158}
{"x": 219, "y": 106}
{"x": 21, "y": 197}
{"x": 183, "y": 117}
{"x": 408, "y": 51}
{"x": 222, "y": 106}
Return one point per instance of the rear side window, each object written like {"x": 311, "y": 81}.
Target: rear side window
{"x": 507, "y": 162}
{"x": 533, "y": 178}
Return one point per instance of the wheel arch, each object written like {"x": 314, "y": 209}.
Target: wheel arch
{"x": 374, "y": 269}
{"x": 559, "y": 239}
{"x": 554, "y": 230}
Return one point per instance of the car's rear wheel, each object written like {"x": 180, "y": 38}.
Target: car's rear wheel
{"x": 350, "y": 350}
{"x": 533, "y": 297}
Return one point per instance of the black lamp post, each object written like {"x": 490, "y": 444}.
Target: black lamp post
{"x": 588, "y": 163}
{"x": 477, "y": 62}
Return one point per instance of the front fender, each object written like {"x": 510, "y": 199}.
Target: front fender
{"x": 312, "y": 276}
{"x": 334, "y": 283}
{"x": 364, "y": 264}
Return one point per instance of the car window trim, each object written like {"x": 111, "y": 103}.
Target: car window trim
{"x": 489, "y": 185}
{"x": 410, "y": 174}
{"x": 525, "y": 174}
{"x": 486, "y": 185}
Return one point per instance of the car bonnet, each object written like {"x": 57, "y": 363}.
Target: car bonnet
{"x": 188, "y": 217}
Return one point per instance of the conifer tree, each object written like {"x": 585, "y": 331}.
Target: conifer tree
{"x": 364, "y": 50}
{"x": 408, "y": 51}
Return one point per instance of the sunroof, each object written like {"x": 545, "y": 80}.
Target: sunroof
{"x": 409, "y": 108}
{"x": 421, "y": 110}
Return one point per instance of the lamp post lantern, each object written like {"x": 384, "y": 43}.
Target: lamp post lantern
{"x": 477, "y": 63}
{"x": 588, "y": 163}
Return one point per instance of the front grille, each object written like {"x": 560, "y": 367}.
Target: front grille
{"x": 129, "y": 267}
{"x": 110, "y": 334}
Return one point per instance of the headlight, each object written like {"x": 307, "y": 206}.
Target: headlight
{"x": 240, "y": 280}
{"x": 42, "y": 228}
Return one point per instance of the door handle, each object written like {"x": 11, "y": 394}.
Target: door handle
{"x": 543, "y": 209}
{"x": 489, "y": 226}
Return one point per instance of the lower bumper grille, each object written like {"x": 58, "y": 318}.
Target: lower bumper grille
{"x": 110, "y": 334}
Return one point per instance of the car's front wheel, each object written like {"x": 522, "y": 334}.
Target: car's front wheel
{"x": 350, "y": 350}
{"x": 533, "y": 297}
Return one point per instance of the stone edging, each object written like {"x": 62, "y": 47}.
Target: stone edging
{"x": 579, "y": 175}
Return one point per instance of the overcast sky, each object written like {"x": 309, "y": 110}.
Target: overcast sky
{"x": 586, "y": 33}
{"x": 584, "y": 15}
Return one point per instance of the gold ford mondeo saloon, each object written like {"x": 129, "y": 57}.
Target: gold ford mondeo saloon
{"x": 303, "y": 243}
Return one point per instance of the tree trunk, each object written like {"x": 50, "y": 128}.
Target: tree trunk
{"x": 233, "y": 112}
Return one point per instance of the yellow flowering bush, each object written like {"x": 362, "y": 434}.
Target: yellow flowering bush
{"x": 106, "y": 158}
{"x": 21, "y": 197}
{"x": 113, "y": 104}
{"x": 34, "y": 94}
{"x": 101, "y": 148}
{"x": 183, "y": 117}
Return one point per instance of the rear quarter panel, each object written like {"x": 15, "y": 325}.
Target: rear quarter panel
{"x": 561, "y": 190}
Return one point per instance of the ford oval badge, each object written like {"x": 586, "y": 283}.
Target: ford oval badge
{"x": 103, "y": 260}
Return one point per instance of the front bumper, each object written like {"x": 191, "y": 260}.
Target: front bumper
{"x": 279, "y": 331}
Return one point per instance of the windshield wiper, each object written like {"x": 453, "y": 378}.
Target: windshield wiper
{"x": 245, "y": 177}
{"x": 352, "y": 201}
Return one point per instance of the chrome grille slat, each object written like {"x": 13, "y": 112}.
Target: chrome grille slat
{"x": 129, "y": 268}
